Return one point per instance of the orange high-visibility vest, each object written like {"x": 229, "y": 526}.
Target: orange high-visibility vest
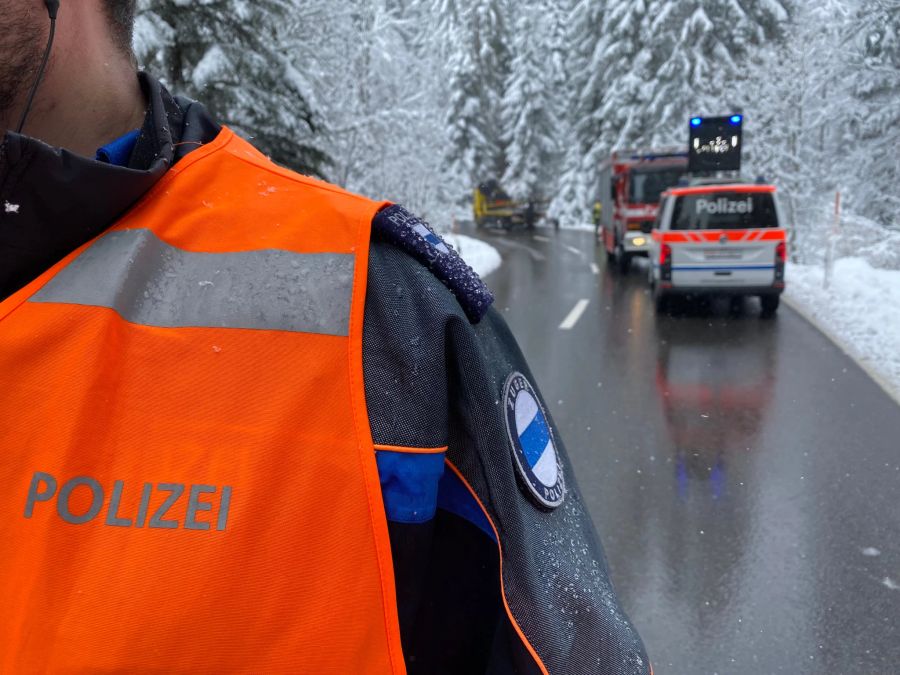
{"x": 187, "y": 476}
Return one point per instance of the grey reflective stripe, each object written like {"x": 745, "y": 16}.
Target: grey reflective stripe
{"x": 149, "y": 282}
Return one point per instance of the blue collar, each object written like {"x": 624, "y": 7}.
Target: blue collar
{"x": 118, "y": 152}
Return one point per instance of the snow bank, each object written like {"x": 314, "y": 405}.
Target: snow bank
{"x": 861, "y": 310}
{"x": 481, "y": 257}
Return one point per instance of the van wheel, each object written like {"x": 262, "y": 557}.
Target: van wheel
{"x": 769, "y": 305}
{"x": 660, "y": 301}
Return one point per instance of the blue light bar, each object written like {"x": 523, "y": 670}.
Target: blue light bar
{"x": 695, "y": 121}
{"x": 736, "y": 119}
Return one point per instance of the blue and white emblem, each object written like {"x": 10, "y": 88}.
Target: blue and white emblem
{"x": 429, "y": 236}
{"x": 532, "y": 442}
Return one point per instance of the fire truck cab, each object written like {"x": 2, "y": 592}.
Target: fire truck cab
{"x": 719, "y": 237}
{"x": 631, "y": 182}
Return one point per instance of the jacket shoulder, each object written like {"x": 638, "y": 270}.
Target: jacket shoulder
{"x": 415, "y": 237}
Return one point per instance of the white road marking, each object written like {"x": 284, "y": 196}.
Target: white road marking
{"x": 576, "y": 251}
{"x": 535, "y": 255}
{"x": 594, "y": 268}
{"x": 570, "y": 321}
{"x": 540, "y": 237}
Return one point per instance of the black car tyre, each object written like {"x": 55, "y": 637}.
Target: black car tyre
{"x": 769, "y": 305}
{"x": 660, "y": 301}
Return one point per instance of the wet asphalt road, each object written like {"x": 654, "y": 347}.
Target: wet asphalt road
{"x": 744, "y": 474}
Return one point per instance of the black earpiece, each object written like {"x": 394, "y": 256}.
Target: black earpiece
{"x": 52, "y": 9}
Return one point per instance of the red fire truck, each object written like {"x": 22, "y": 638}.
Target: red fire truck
{"x": 631, "y": 182}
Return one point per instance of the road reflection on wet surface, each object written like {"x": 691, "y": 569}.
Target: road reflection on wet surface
{"x": 744, "y": 474}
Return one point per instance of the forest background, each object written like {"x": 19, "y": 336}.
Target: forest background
{"x": 417, "y": 101}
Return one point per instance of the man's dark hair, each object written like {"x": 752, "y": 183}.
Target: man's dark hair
{"x": 120, "y": 14}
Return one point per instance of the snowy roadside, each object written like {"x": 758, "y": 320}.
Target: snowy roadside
{"x": 860, "y": 311}
{"x": 481, "y": 257}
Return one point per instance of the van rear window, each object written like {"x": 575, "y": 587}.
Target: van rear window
{"x": 724, "y": 211}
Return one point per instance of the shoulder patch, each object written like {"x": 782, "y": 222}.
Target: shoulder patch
{"x": 531, "y": 439}
{"x": 416, "y": 237}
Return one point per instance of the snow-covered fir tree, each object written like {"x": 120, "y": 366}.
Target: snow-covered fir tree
{"x": 872, "y": 142}
{"x": 229, "y": 53}
{"x": 621, "y": 83}
{"x": 468, "y": 149}
{"x": 699, "y": 53}
{"x": 579, "y": 98}
{"x": 795, "y": 117}
{"x": 479, "y": 68}
{"x": 529, "y": 108}
{"x": 386, "y": 139}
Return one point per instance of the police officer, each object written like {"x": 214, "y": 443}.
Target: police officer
{"x": 596, "y": 216}
{"x": 251, "y": 422}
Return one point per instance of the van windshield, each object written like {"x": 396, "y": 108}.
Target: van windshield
{"x": 724, "y": 211}
{"x": 645, "y": 187}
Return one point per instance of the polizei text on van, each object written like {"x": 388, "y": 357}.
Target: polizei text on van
{"x": 723, "y": 205}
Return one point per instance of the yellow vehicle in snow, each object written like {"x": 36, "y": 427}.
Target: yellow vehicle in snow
{"x": 493, "y": 207}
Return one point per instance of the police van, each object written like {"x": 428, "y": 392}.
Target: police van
{"x": 724, "y": 237}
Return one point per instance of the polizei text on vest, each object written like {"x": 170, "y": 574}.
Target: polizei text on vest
{"x": 83, "y": 499}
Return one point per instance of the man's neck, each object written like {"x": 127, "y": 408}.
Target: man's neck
{"x": 83, "y": 109}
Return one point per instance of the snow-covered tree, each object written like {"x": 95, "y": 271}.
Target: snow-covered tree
{"x": 468, "y": 150}
{"x": 621, "y": 83}
{"x": 479, "y": 68}
{"x": 617, "y": 90}
{"x": 386, "y": 135}
{"x": 795, "y": 117}
{"x": 874, "y": 138}
{"x": 229, "y": 53}
{"x": 529, "y": 112}
{"x": 579, "y": 97}
{"x": 690, "y": 57}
